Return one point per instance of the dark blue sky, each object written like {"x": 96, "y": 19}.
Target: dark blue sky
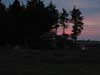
{"x": 90, "y": 10}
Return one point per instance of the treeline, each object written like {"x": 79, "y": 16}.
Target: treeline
{"x": 23, "y": 25}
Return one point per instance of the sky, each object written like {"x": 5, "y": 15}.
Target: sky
{"x": 90, "y": 10}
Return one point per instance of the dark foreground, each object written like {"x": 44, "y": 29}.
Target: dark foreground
{"x": 48, "y": 62}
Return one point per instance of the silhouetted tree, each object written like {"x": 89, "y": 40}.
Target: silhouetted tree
{"x": 31, "y": 4}
{"x": 64, "y": 19}
{"x": 42, "y": 17}
{"x": 15, "y": 25}
{"x": 50, "y": 17}
{"x": 41, "y": 20}
{"x": 2, "y": 8}
{"x": 34, "y": 17}
{"x": 3, "y": 27}
{"x": 77, "y": 21}
{"x": 53, "y": 13}
{"x": 15, "y": 8}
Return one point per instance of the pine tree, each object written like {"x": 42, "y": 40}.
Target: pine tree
{"x": 31, "y": 4}
{"x": 64, "y": 18}
{"x": 49, "y": 17}
{"x": 2, "y": 21}
{"x": 53, "y": 13}
{"x": 2, "y": 8}
{"x": 40, "y": 4}
{"x": 16, "y": 8}
{"x": 77, "y": 21}
{"x": 15, "y": 28}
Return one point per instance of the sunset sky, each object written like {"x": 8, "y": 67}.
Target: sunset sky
{"x": 90, "y": 10}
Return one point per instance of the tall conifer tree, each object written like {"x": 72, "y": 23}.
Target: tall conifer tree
{"x": 77, "y": 21}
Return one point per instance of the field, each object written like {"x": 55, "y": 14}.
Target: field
{"x": 48, "y": 62}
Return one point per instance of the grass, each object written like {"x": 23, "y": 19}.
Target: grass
{"x": 48, "y": 62}
{"x": 55, "y": 69}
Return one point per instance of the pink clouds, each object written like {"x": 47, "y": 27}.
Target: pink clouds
{"x": 67, "y": 30}
{"x": 60, "y": 30}
{"x": 92, "y": 20}
{"x": 92, "y": 24}
{"x": 91, "y": 27}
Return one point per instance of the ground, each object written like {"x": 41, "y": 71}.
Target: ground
{"x": 48, "y": 62}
